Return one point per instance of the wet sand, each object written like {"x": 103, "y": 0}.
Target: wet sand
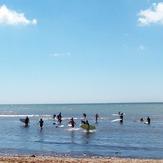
{"x": 75, "y": 160}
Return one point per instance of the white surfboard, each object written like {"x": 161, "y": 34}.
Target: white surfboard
{"x": 115, "y": 120}
{"x": 59, "y": 126}
{"x": 115, "y": 114}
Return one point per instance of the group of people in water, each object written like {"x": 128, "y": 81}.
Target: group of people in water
{"x": 148, "y": 120}
{"x": 72, "y": 122}
{"x": 141, "y": 120}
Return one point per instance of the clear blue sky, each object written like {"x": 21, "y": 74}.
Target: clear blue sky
{"x": 81, "y": 51}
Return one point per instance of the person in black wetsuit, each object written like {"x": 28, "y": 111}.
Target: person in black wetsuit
{"x": 26, "y": 121}
{"x": 87, "y": 123}
{"x": 83, "y": 122}
{"x": 148, "y": 120}
{"x": 84, "y": 115}
{"x": 41, "y": 123}
{"x": 141, "y": 120}
{"x": 121, "y": 117}
{"x": 59, "y": 117}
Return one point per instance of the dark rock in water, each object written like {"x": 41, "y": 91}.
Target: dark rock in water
{"x": 32, "y": 156}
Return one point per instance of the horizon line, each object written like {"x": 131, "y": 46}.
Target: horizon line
{"x": 81, "y": 103}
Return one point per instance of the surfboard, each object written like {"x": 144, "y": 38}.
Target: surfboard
{"x": 115, "y": 120}
{"x": 22, "y": 120}
{"x": 85, "y": 126}
{"x": 59, "y": 126}
{"x": 117, "y": 114}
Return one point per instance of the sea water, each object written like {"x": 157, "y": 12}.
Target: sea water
{"x": 132, "y": 139}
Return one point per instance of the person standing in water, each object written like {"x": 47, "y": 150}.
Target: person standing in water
{"x": 54, "y": 115}
{"x": 41, "y": 123}
{"x": 87, "y": 123}
{"x": 96, "y": 117}
{"x": 59, "y": 117}
{"x": 72, "y": 122}
{"x": 121, "y": 118}
{"x": 84, "y": 115}
{"x": 148, "y": 120}
{"x": 26, "y": 121}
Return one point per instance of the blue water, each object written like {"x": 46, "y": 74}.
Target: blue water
{"x": 132, "y": 139}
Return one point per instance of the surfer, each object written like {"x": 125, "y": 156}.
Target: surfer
{"x": 26, "y": 121}
{"x": 141, "y": 120}
{"x": 72, "y": 122}
{"x": 96, "y": 117}
{"x": 119, "y": 113}
{"x": 121, "y": 118}
{"x": 41, "y": 123}
{"x": 87, "y": 123}
{"x": 84, "y": 115}
{"x": 54, "y": 115}
{"x": 148, "y": 120}
{"x": 59, "y": 117}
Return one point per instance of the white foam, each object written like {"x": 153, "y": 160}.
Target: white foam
{"x": 19, "y": 115}
{"x": 89, "y": 130}
{"x": 73, "y": 129}
{"x": 60, "y": 126}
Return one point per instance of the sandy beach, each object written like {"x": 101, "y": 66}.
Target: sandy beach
{"x": 74, "y": 160}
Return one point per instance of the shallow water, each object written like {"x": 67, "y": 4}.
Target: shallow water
{"x": 132, "y": 139}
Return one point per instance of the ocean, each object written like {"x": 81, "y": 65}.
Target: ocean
{"x": 130, "y": 139}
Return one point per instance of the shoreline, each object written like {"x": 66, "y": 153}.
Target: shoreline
{"x": 33, "y": 158}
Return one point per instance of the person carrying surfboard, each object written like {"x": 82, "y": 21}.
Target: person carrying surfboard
{"x": 87, "y": 123}
{"x": 121, "y": 117}
{"x": 26, "y": 121}
{"x": 87, "y": 126}
{"x": 148, "y": 120}
{"x": 72, "y": 122}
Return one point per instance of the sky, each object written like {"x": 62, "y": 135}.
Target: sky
{"x": 81, "y": 51}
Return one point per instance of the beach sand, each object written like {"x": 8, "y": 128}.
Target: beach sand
{"x": 75, "y": 160}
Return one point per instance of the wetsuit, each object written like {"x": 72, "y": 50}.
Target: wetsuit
{"x": 41, "y": 123}
{"x": 26, "y": 121}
